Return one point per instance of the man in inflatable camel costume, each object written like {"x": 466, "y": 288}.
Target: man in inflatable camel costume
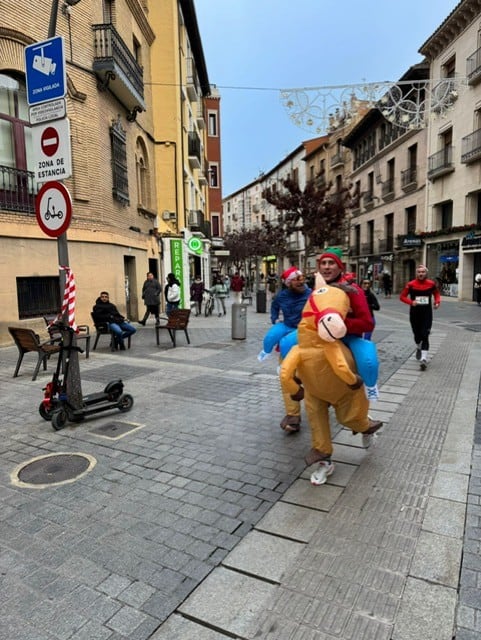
{"x": 321, "y": 370}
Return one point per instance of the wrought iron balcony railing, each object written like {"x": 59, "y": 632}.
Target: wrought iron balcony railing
{"x": 440, "y": 163}
{"x": 473, "y": 67}
{"x": 17, "y": 190}
{"x": 409, "y": 179}
{"x": 117, "y": 69}
{"x": 471, "y": 147}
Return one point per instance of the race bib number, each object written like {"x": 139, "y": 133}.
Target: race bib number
{"x": 422, "y": 299}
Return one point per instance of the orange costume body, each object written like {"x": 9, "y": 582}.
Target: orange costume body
{"x": 326, "y": 367}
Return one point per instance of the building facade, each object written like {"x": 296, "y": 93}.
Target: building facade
{"x": 136, "y": 82}
{"x": 453, "y": 203}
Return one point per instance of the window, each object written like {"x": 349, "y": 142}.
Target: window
{"x": 38, "y": 296}
{"x": 411, "y": 220}
{"x": 449, "y": 68}
{"x": 142, "y": 173}
{"x": 212, "y": 123}
{"x": 446, "y": 215}
{"x": 118, "y": 140}
{"x": 17, "y": 186}
{"x": 213, "y": 175}
{"x": 137, "y": 51}
{"x": 215, "y": 222}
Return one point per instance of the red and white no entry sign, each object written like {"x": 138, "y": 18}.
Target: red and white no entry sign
{"x": 53, "y": 209}
{"x": 49, "y": 141}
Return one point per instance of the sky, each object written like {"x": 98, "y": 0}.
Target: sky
{"x": 254, "y": 48}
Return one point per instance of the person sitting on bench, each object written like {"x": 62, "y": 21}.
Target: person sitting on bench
{"x": 104, "y": 311}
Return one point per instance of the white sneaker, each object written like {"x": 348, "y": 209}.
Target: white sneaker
{"x": 262, "y": 355}
{"x": 372, "y": 393}
{"x": 326, "y": 467}
{"x": 368, "y": 439}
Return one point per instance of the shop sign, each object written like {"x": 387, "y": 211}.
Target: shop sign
{"x": 471, "y": 242}
{"x": 412, "y": 241}
{"x": 177, "y": 262}
{"x": 388, "y": 258}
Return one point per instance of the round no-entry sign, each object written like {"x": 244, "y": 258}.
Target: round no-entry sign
{"x": 49, "y": 141}
{"x": 53, "y": 209}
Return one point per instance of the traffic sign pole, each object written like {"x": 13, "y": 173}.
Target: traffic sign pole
{"x": 74, "y": 384}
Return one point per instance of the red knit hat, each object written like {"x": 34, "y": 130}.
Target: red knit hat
{"x": 335, "y": 254}
{"x": 290, "y": 274}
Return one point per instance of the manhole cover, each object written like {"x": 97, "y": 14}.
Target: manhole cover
{"x": 52, "y": 469}
{"x": 114, "y": 430}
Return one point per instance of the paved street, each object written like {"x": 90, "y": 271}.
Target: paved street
{"x": 196, "y": 518}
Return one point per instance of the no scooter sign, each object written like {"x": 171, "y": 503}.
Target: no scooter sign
{"x": 53, "y": 209}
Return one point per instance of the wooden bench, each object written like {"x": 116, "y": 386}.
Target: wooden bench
{"x": 27, "y": 340}
{"x": 55, "y": 333}
{"x": 178, "y": 320}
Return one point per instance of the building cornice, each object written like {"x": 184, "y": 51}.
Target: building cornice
{"x": 139, "y": 14}
{"x": 456, "y": 22}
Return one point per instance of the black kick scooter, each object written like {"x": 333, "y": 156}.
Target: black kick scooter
{"x": 56, "y": 406}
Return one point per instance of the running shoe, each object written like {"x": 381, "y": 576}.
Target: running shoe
{"x": 320, "y": 475}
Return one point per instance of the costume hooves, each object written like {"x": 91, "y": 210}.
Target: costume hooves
{"x": 315, "y": 456}
{"x": 291, "y": 424}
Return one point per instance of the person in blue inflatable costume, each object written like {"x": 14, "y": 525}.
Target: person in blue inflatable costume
{"x": 289, "y": 303}
{"x": 358, "y": 321}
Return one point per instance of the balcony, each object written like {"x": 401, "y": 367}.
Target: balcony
{"x": 320, "y": 181}
{"x": 473, "y": 67}
{"x": 409, "y": 179}
{"x": 367, "y": 248}
{"x": 386, "y": 244}
{"x": 195, "y": 219}
{"x": 337, "y": 160}
{"x": 117, "y": 69}
{"x": 194, "y": 150}
{"x": 441, "y": 163}
{"x": 368, "y": 200}
{"x": 200, "y": 116}
{"x": 192, "y": 84}
{"x": 17, "y": 190}
{"x": 387, "y": 190}
{"x": 471, "y": 147}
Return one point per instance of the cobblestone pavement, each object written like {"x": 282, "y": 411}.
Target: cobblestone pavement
{"x": 199, "y": 521}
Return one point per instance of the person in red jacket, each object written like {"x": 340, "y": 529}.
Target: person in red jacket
{"x": 419, "y": 295}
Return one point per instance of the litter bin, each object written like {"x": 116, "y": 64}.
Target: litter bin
{"x": 239, "y": 321}
{"x": 261, "y": 300}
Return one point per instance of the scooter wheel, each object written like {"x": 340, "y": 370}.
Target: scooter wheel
{"x": 126, "y": 402}
{"x": 59, "y": 419}
{"x": 46, "y": 412}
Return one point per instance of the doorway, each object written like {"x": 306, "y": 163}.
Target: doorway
{"x": 130, "y": 279}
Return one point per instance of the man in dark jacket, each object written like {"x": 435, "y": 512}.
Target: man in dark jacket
{"x": 151, "y": 291}
{"x": 105, "y": 312}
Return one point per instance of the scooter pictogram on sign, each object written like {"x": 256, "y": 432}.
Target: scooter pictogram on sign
{"x": 53, "y": 209}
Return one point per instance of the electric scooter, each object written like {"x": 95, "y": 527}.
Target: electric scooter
{"x": 56, "y": 405}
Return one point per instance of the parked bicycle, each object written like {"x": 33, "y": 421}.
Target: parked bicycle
{"x": 209, "y": 304}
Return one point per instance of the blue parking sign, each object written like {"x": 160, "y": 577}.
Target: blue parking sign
{"x": 45, "y": 70}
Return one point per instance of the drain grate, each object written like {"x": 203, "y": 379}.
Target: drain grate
{"x": 114, "y": 430}
{"x": 52, "y": 469}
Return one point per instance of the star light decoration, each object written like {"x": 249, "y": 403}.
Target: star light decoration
{"x": 406, "y": 103}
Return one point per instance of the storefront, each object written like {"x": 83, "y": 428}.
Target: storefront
{"x": 442, "y": 260}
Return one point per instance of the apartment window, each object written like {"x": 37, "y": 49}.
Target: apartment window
{"x": 357, "y": 240}
{"x": 118, "y": 141}
{"x": 295, "y": 176}
{"x": 389, "y": 231}
{"x": 411, "y": 220}
{"x": 137, "y": 51}
{"x": 311, "y": 172}
{"x": 38, "y": 296}
{"x": 370, "y": 236}
{"x": 413, "y": 156}
{"x": 444, "y": 215}
{"x": 212, "y": 123}
{"x": 215, "y": 224}
{"x": 17, "y": 187}
{"x": 213, "y": 175}
{"x": 449, "y": 68}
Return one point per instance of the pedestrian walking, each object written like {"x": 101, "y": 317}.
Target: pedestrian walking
{"x": 421, "y": 294}
{"x": 236, "y": 285}
{"x": 219, "y": 291}
{"x": 477, "y": 288}
{"x": 197, "y": 289}
{"x": 372, "y": 303}
{"x": 387, "y": 284}
{"x": 151, "y": 291}
{"x": 172, "y": 293}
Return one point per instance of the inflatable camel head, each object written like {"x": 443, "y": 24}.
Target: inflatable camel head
{"x": 324, "y": 314}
